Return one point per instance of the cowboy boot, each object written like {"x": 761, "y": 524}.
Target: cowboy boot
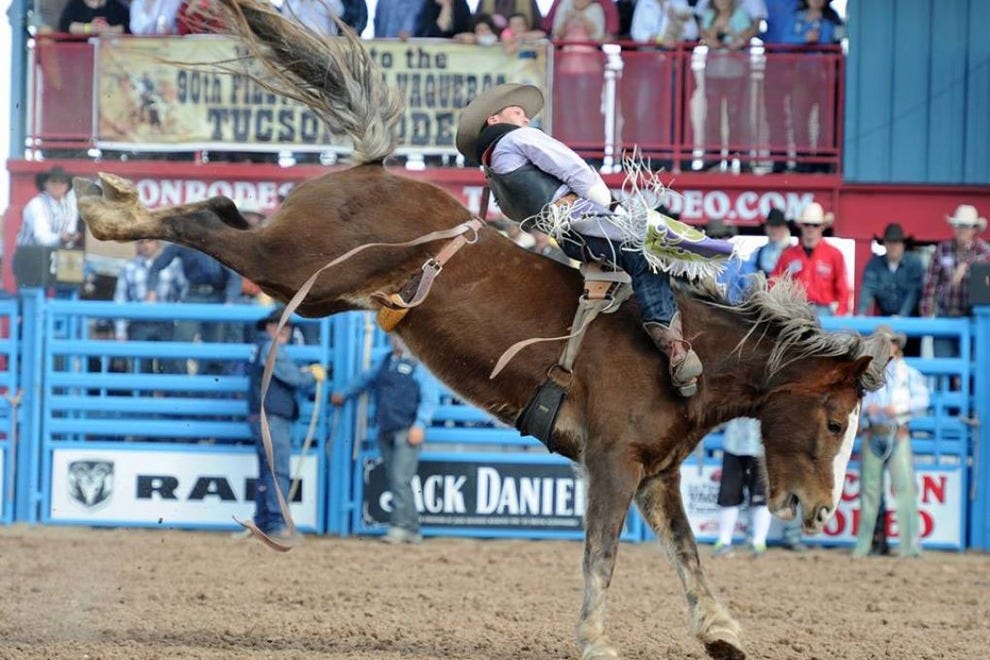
{"x": 685, "y": 367}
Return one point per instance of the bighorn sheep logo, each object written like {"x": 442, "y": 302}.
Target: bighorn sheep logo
{"x": 90, "y": 482}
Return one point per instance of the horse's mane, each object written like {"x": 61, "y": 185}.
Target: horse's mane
{"x": 782, "y": 314}
{"x": 335, "y": 77}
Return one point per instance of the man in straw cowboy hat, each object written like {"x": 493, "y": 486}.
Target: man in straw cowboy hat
{"x": 892, "y": 280}
{"x": 945, "y": 291}
{"x": 539, "y": 181}
{"x": 818, "y": 266}
{"x": 887, "y": 442}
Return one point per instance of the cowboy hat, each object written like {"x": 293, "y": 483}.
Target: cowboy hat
{"x": 717, "y": 228}
{"x": 898, "y": 338}
{"x": 57, "y": 173}
{"x": 474, "y": 116}
{"x": 893, "y": 233}
{"x": 813, "y": 214}
{"x": 966, "y": 216}
{"x": 273, "y": 317}
{"x": 776, "y": 218}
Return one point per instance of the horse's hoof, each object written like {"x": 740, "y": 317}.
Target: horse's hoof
{"x": 83, "y": 187}
{"x": 117, "y": 188}
{"x": 723, "y": 650}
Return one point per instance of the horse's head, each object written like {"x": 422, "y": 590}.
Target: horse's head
{"x": 809, "y": 422}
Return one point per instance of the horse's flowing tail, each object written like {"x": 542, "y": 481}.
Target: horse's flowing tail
{"x": 335, "y": 77}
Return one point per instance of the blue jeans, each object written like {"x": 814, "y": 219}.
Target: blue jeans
{"x": 267, "y": 515}
{"x": 401, "y": 462}
{"x": 652, "y": 289}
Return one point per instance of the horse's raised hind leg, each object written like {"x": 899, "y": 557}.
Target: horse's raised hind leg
{"x": 113, "y": 212}
{"x": 659, "y": 500}
{"x": 611, "y": 485}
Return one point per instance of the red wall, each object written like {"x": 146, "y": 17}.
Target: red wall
{"x": 861, "y": 211}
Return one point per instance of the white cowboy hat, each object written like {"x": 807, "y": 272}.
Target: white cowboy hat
{"x": 966, "y": 216}
{"x": 813, "y": 214}
{"x": 474, "y": 116}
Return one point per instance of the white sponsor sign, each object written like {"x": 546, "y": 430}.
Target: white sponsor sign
{"x": 939, "y": 494}
{"x": 166, "y": 487}
{"x": 261, "y": 196}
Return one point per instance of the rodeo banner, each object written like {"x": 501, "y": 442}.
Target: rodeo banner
{"x": 168, "y": 94}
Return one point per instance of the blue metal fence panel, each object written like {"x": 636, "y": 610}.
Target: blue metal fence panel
{"x": 979, "y": 492}
{"x": 9, "y": 405}
{"x": 96, "y": 392}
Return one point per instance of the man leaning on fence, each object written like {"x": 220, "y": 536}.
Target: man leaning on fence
{"x": 406, "y": 396}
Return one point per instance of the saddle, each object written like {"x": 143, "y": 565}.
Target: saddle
{"x": 604, "y": 292}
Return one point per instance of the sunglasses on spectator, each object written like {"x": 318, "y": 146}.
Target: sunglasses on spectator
{"x": 810, "y": 224}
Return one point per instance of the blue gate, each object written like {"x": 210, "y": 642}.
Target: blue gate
{"x": 101, "y": 441}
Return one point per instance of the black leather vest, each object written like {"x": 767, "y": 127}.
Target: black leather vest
{"x": 523, "y": 192}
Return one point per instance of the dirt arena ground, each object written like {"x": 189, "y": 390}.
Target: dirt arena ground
{"x": 131, "y": 593}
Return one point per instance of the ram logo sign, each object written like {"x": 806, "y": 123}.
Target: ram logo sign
{"x": 90, "y": 482}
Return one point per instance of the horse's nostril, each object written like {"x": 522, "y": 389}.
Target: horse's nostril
{"x": 823, "y": 514}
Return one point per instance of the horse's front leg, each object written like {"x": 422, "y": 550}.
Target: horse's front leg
{"x": 612, "y": 482}
{"x": 659, "y": 500}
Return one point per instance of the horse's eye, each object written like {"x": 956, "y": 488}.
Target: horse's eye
{"x": 834, "y": 427}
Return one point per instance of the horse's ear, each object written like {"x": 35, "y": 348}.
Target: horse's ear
{"x": 859, "y": 366}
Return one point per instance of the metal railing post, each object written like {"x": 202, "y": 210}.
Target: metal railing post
{"x": 979, "y": 510}
{"x": 611, "y": 162}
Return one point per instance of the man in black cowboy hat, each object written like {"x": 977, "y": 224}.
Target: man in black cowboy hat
{"x": 50, "y": 217}
{"x": 281, "y": 410}
{"x": 536, "y": 178}
{"x": 892, "y": 280}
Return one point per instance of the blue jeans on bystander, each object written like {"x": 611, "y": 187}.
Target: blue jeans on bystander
{"x": 267, "y": 515}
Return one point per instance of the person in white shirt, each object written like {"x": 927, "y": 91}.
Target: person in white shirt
{"x": 887, "y": 442}
{"x": 155, "y": 17}
{"x": 50, "y": 218}
{"x": 317, "y": 15}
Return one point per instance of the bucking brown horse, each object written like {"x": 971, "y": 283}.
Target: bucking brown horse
{"x": 766, "y": 358}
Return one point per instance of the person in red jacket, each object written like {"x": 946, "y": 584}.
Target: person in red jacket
{"x": 818, "y": 266}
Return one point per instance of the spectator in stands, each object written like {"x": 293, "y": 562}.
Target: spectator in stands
{"x": 406, "y": 396}
{"x": 520, "y": 37}
{"x": 198, "y": 17}
{"x": 397, "y": 18}
{"x": 663, "y": 22}
{"x": 579, "y": 65}
{"x": 442, "y": 19}
{"x": 945, "y": 291}
{"x": 94, "y": 17}
{"x": 609, "y": 10}
{"x": 132, "y": 287}
{"x": 208, "y": 281}
{"x": 887, "y": 413}
{"x": 742, "y": 449}
{"x": 355, "y": 15}
{"x": 815, "y": 24}
{"x": 779, "y": 78}
{"x": 765, "y": 258}
{"x": 50, "y": 218}
{"x": 892, "y": 281}
{"x": 502, "y": 11}
{"x": 818, "y": 266}
{"x": 317, "y": 15}
{"x": 281, "y": 410}
{"x": 483, "y": 32}
{"x": 726, "y": 28}
{"x": 155, "y": 17}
